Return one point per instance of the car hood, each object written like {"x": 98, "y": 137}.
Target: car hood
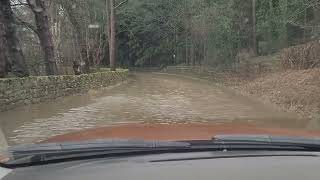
{"x": 175, "y": 132}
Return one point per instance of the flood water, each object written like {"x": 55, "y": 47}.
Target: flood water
{"x": 147, "y": 98}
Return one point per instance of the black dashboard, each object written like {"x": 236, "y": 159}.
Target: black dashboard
{"x": 182, "y": 166}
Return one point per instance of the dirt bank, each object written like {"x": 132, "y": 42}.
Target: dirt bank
{"x": 292, "y": 90}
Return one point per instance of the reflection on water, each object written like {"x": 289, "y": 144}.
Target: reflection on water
{"x": 3, "y": 141}
{"x": 146, "y": 98}
{"x": 314, "y": 124}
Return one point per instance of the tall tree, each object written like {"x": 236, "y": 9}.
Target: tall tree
{"x": 39, "y": 10}
{"x": 10, "y": 51}
{"x": 4, "y": 59}
{"x": 316, "y": 11}
{"x": 107, "y": 9}
{"x": 76, "y": 15}
{"x": 254, "y": 28}
{"x": 270, "y": 27}
{"x": 316, "y": 14}
{"x": 107, "y": 27}
{"x": 112, "y": 40}
{"x": 283, "y": 31}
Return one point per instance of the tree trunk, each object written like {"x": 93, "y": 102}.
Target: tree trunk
{"x": 42, "y": 22}
{"x": 204, "y": 60}
{"x": 270, "y": 29}
{"x": 283, "y": 29}
{"x": 187, "y": 51}
{"x": 79, "y": 32}
{"x": 316, "y": 15}
{"x": 254, "y": 29}
{"x": 107, "y": 28}
{"x": 3, "y": 48}
{"x": 187, "y": 26}
{"x": 192, "y": 54}
{"x": 112, "y": 41}
{"x": 305, "y": 26}
{"x": 11, "y": 54}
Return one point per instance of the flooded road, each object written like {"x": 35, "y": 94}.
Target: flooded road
{"x": 149, "y": 98}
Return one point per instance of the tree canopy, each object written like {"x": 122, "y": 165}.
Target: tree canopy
{"x": 155, "y": 33}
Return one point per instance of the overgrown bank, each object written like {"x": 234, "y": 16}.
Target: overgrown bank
{"x": 16, "y": 92}
{"x": 291, "y": 90}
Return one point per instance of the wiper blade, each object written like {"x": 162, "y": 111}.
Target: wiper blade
{"x": 106, "y": 144}
{"x": 25, "y": 155}
{"x": 268, "y": 140}
{"x": 42, "y": 153}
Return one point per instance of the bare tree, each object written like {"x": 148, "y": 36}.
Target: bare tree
{"x": 72, "y": 7}
{"x": 38, "y": 8}
{"x": 10, "y": 51}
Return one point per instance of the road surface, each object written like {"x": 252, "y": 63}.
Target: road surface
{"x": 147, "y": 98}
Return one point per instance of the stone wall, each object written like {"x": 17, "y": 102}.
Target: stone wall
{"x": 16, "y": 92}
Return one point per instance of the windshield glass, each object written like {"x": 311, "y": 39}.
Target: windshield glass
{"x": 165, "y": 70}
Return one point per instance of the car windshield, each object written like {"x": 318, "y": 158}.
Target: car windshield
{"x": 162, "y": 70}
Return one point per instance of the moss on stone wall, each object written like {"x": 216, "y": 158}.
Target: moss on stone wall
{"x": 16, "y": 92}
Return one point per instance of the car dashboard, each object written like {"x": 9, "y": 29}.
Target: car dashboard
{"x": 177, "y": 166}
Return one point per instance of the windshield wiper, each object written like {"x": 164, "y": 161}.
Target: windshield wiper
{"x": 268, "y": 139}
{"x": 25, "y": 155}
{"x": 93, "y": 145}
{"x": 231, "y": 141}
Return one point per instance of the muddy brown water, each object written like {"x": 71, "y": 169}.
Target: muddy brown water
{"x": 147, "y": 98}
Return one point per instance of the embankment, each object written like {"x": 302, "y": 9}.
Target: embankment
{"x": 15, "y": 92}
{"x": 291, "y": 90}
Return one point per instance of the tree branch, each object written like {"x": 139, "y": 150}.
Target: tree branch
{"x": 19, "y": 4}
{"x": 120, "y": 4}
{"x": 26, "y": 24}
